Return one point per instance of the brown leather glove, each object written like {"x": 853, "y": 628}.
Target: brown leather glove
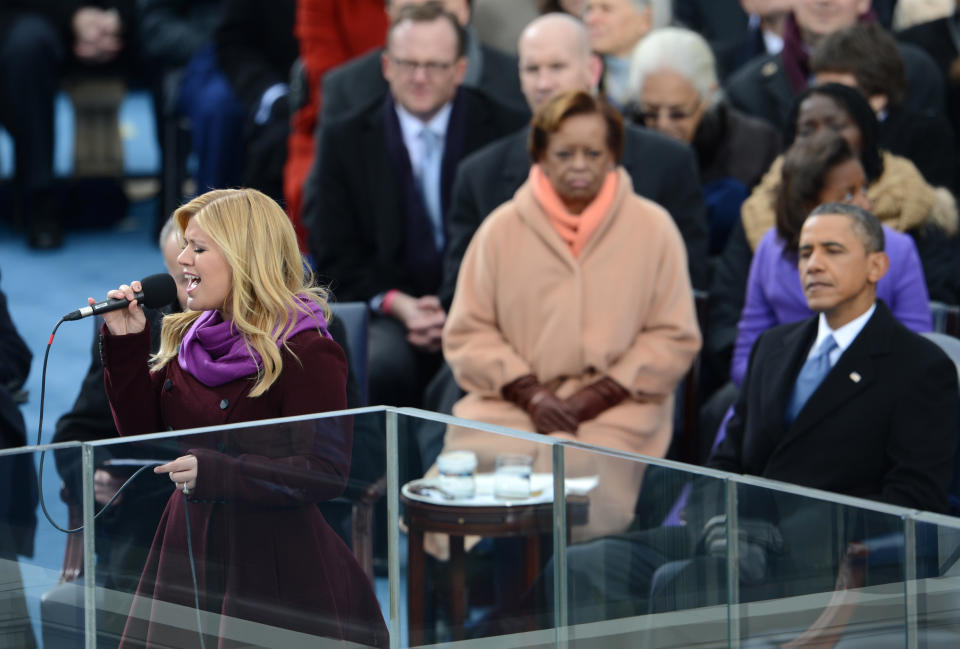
{"x": 549, "y": 413}
{"x": 590, "y": 400}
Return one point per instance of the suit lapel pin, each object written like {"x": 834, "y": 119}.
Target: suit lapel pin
{"x": 855, "y": 377}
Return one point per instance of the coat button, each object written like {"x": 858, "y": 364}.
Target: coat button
{"x": 168, "y": 385}
{"x": 221, "y": 447}
{"x": 224, "y": 404}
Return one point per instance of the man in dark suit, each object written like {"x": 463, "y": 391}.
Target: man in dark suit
{"x": 381, "y": 183}
{"x": 886, "y": 409}
{"x": 554, "y": 58}
{"x": 848, "y": 401}
{"x": 359, "y": 83}
{"x": 766, "y": 86}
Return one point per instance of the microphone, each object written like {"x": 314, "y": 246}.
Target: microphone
{"x": 156, "y": 291}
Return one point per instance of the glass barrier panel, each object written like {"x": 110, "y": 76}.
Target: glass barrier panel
{"x": 636, "y": 576}
{"x": 31, "y": 549}
{"x": 477, "y": 532}
{"x": 257, "y": 551}
{"x": 936, "y": 594}
{"x": 815, "y": 572}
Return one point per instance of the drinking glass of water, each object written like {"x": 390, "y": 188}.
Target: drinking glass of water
{"x": 511, "y": 476}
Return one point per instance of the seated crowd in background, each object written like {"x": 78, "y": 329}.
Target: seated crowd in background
{"x": 540, "y": 274}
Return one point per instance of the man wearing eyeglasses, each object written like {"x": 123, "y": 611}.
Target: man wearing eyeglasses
{"x": 359, "y": 83}
{"x": 555, "y": 57}
{"x": 382, "y": 182}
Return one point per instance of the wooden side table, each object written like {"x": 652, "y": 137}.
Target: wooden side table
{"x": 507, "y": 520}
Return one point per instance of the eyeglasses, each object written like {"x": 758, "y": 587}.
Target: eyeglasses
{"x": 431, "y": 68}
{"x": 650, "y": 113}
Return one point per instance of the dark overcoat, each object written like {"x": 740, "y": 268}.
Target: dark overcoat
{"x": 263, "y": 551}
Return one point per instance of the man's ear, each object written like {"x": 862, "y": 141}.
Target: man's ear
{"x": 460, "y": 70}
{"x": 646, "y": 20}
{"x": 385, "y": 65}
{"x": 596, "y": 70}
{"x": 878, "y": 263}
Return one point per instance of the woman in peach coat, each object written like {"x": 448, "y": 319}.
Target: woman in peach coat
{"x": 573, "y": 314}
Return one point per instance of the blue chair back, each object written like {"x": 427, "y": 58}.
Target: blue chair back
{"x": 355, "y": 317}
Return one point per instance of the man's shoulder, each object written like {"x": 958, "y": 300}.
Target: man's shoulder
{"x": 757, "y": 68}
{"x": 490, "y": 158}
{"x": 481, "y": 107}
{"x": 349, "y": 125}
{"x": 918, "y": 350}
{"x": 642, "y": 142}
{"x": 353, "y": 86}
{"x": 784, "y": 334}
{"x": 360, "y": 69}
{"x": 922, "y": 33}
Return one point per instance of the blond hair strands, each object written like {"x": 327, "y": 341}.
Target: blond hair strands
{"x": 268, "y": 273}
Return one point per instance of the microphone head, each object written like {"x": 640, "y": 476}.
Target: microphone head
{"x": 158, "y": 290}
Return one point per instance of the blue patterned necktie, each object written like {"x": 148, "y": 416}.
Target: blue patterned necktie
{"x": 429, "y": 182}
{"x": 809, "y": 378}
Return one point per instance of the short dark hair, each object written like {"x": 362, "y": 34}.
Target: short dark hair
{"x": 427, "y": 13}
{"x": 805, "y": 167}
{"x": 864, "y": 224}
{"x": 551, "y": 115}
{"x": 870, "y": 54}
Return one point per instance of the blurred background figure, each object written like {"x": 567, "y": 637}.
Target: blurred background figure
{"x": 18, "y": 495}
{"x": 766, "y": 86}
{"x": 898, "y": 194}
{"x": 572, "y": 7}
{"x": 908, "y": 13}
{"x": 939, "y": 38}
{"x": 360, "y": 83}
{"x": 866, "y": 57}
{"x": 382, "y": 181}
{"x": 40, "y": 44}
{"x": 616, "y": 27}
{"x": 540, "y": 336}
{"x": 673, "y": 82}
{"x": 329, "y": 32}
{"x": 498, "y": 23}
{"x": 179, "y": 52}
{"x": 737, "y": 30}
{"x": 256, "y": 49}
{"x": 817, "y": 170}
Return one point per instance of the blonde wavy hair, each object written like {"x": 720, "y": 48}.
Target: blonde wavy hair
{"x": 268, "y": 273}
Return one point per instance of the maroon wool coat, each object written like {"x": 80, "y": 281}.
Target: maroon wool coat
{"x": 263, "y": 551}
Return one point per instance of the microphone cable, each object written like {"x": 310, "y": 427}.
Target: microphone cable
{"x": 43, "y": 504}
{"x": 109, "y": 503}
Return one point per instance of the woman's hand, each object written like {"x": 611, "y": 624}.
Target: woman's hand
{"x": 548, "y": 412}
{"x": 124, "y": 321}
{"x": 183, "y": 472}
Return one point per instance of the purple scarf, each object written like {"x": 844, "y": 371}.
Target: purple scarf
{"x": 214, "y": 353}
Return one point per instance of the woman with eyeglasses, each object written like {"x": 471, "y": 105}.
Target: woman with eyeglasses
{"x": 674, "y": 82}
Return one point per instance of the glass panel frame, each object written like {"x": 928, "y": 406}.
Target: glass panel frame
{"x": 916, "y": 586}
